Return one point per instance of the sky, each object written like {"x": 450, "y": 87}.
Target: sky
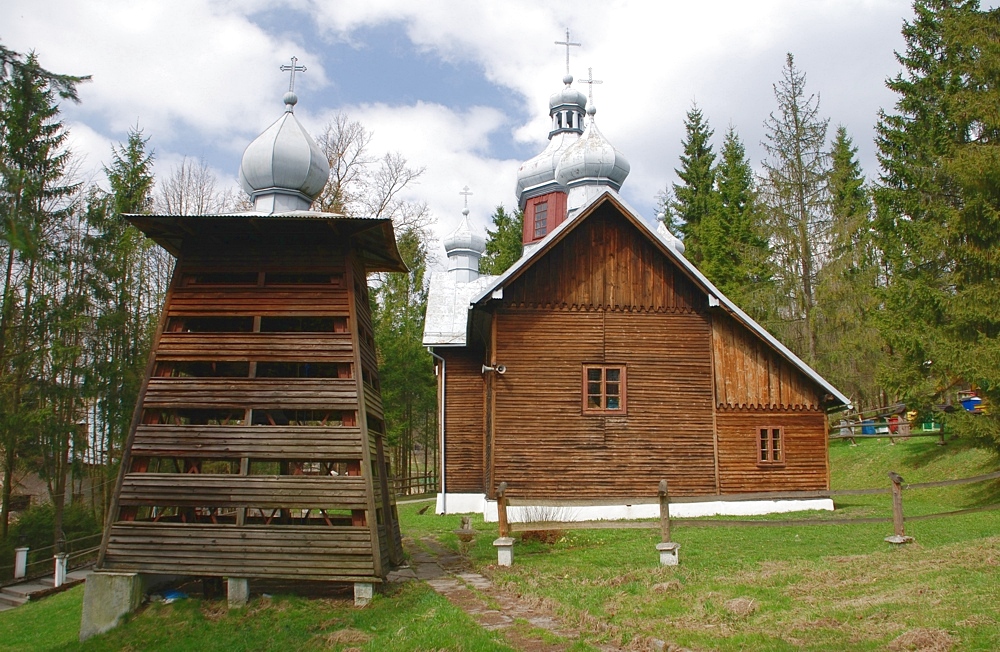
{"x": 458, "y": 87}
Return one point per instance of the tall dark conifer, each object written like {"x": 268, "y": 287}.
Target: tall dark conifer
{"x": 939, "y": 212}
{"x": 503, "y": 242}
{"x": 694, "y": 198}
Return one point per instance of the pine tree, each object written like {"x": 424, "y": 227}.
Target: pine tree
{"x": 939, "y": 212}
{"x": 847, "y": 290}
{"x": 33, "y": 199}
{"x": 503, "y": 242}
{"x": 126, "y": 299}
{"x": 735, "y": 251}
{"x": 695, "y": 198}
{"x": 795, "y": 192}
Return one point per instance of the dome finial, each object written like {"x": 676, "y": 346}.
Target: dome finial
{"x": 466, "y": 193}
{"x": 291, "y": 99}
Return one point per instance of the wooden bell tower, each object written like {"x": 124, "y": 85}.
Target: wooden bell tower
{"x": 256, "y": 449}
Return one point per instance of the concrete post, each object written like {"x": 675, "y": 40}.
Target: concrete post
{"x": 20, "y": 562}
{"x": 59, "y": 577}
{"x": 505, "y": 551}
{"x": 107, "y": 597}
{"x": 238, "y": 591}
{"x": 363, "y": 593}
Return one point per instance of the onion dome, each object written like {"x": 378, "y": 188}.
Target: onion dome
{"x": 464, "y": 249}
{"x": 536, "y": 176}
{"x": 592, "y": 160}
{"x": 283, "y": 169}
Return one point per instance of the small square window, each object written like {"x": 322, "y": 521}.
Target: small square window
{"x": 604, "y": 389}
{"x": 770, "y": 446}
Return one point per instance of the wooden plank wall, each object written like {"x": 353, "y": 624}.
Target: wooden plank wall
{"x": 464, "y": 420}
{"x": 806, "y": 465}
{"x": 605, "y": 263}
{"x": 193, "y": 522}
{"x": 750, "y": 374}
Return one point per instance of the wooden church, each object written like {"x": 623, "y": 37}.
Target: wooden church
{"x": 603, "y": 361}
{"x": 256, "y": 449}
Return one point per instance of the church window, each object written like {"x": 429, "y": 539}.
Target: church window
{"x": 770, "y": 446}
{"x": 541, "y": 219}
{"x": 604, "y": 389}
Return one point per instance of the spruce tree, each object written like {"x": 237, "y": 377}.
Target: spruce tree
{"x": 695, "y": 198}
{"x": 847, "y": 286}
{"x": 795, "y": 192}
{"x": 503, "y": 241}
{"x": 33, "y": 199}
{"x": 939, "y": 212}
{"x": 735, "y": 251}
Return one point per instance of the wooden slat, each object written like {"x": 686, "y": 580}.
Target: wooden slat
{"x": 258, "y": 442}
{"x": 326, "y": 553}
{"x": 261, "y": 393}
{"x": 266, "y": 301}
{"x": 291, "y": 347}
{"x": 265, "y": 491}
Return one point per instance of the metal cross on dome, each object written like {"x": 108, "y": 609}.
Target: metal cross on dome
{"x": 466, "y": 193}
{"x": 590, "y": 81}
{"x": 568, "y": 45}
{"x": 294, "y": 68}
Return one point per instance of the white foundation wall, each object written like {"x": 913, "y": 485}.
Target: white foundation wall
{"x": 479, "y": 504}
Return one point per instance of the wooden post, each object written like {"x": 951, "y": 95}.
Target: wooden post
{"x": 502, "y": 521}
{"x": 899, "y": 535}
{"x": 664, "y": 512}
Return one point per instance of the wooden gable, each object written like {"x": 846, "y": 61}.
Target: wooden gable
{"x": 605, "y": 262}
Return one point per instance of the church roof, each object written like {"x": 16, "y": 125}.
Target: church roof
{"x": 489, "y": 287}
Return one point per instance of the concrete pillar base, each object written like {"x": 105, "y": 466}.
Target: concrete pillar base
{"x": 238, "y": 590}
{"x": 20, "y": 563}
{"x": 898, "y": 539}
{"x": 59, "y": 576}
{"x": 107, "y": 596}
{"x": 668, "y": 553}
{"x": 505, "y": 551}
{"x": 363, "y": 593}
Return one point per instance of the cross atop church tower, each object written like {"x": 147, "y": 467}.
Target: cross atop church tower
{"x": 568, "y": 45}
{"x": 466, "y": 193}
{"x": 590, "y": 81}
{"x": 294, "y": 68}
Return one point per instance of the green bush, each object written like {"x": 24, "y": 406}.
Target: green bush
{"x": 36, "y": 525}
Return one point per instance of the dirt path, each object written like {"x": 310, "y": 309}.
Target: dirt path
{"x": 525, "y": 624}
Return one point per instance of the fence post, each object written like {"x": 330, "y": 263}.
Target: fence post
{"x": 505, "y": 543}
{"x": 59, "y": 577}
{"x": 667, "y": 548}
{"x": 899, "y": 534}
{"x": 20, "y": 562}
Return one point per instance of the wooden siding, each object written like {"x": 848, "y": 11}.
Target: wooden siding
{"x": 806, "y": 466}
{"x": 605, "y": 262}
{"x": 320, "y": 553}
{"x": 464, "y": 420}
{"x": 260, "y": 393}
{"x": 259, "y": 347}
{"x": 750, "y": 374}
{"x": 258, "y": 300}
{"x": 257, "y": 442}
{"x": 546, "y": 447}
{"x": 225, "y": 491}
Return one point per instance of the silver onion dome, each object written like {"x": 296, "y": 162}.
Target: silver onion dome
{"x": 592, "y": 160}
{"x": 283, "y": 168}
{"x": 464, "y": 239}
{"x": 536, "y": 176}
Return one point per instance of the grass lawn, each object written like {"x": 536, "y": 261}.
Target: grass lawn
{"x": 826, "y": 587}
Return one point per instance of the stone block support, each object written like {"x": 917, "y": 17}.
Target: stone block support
{"x": 668, "y": 553}
{"x": 505, "y": 551}
{"x": 20, "y": 563}
{"x": 238, "y": 591}
{"x": 363, "y": 593}
{"x": 107, "y": 596}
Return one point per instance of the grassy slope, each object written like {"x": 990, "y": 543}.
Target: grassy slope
{"x": 815, "y": 588}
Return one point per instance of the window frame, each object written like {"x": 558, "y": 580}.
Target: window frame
{"x": 543, "y": 222}
{"x": 768, "y": 455}
{"x": 622, "y": 393}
